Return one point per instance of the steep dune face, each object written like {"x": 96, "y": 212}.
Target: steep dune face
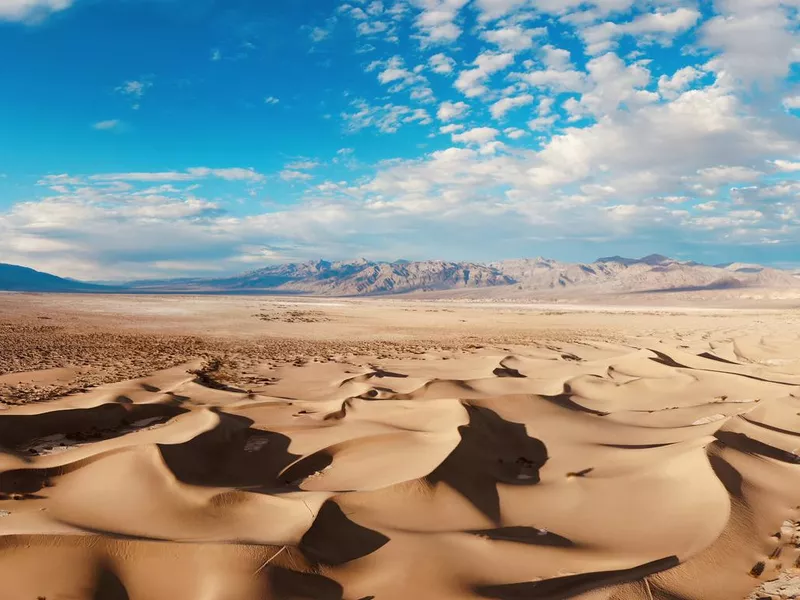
{"x": 654, "y": 469}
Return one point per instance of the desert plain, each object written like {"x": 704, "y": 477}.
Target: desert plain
{"x": 258, "y": 448}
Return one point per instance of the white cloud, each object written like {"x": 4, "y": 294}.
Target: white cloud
{"x": 727, "y": 175}
{"x": 545, "y": 119}
{"x": 372, "y": 28}
{"x": 441, "y": 63}
{"x": 502, "y": 106}
{"x": 613, "y": 85}
{"x": 679, "y": 82}
{"x": 302, "y": 165}
{"x": 472, "y": 82}
{"x": 556, "y": 58}
{"x": 394, "y": 72}
{"x": 318, "y": 34}
{"x": 477, "y": 135}
{"x": 419, "y": 115}
{"x": 495, "y": 9}
{"x": 558, "y": 74}
{"x": 595, "y": 8}
{"x": 289, "y": 175}
{"x": 658, "y": 26}
{"x": 449, "y": 111}
{"x": 672, "y": 23}
{"x": 515, "y": 133}
{"x": 60, "y": 179}
{"x": 756, "y": 38}
{"x": 194, "y": 173}
{"x": 271, "y": 100}
{"x": 26, "y": 10}
{"x": 386, "y": 118}
{"x": 451, "y": 128}
{"x": 787, "y": 165}
{"x": 216, "y": 55}
{"x": 513, "y": 38}
{"x": 109, "y": 125}
{"x": 436, "y": 21}
{"x": 704, "y": 160}
{"x": 230, "y": 174}
{"x": 134, "y": 88}
{"x": 144, "y": 177}
{"x": 650, "y": 149}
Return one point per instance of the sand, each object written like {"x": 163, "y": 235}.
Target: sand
{"x": 212, "y": 448}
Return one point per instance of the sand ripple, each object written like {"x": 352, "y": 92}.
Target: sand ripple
{"x": 594, "y": 470}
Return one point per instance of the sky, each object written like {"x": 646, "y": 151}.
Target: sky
{"x": 167, "y": 138}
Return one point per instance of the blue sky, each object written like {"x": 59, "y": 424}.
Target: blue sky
{"x": 164, "y": 138}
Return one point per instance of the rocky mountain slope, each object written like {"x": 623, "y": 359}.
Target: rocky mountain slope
{"x": 651, "y": 273}
{"x": 611, "y": 275}
{"x": 362, "y": 277}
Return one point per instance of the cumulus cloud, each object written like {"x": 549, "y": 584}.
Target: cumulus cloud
{"x": 757, "y": 40}
{"x": 613, "y": 84}
{"x": 436, "y": 20}
{"x": 502, "y": 106}
{"x": 515, "y": 133}
{"x": 556, "y": 73}
{"x": 441, "y": 63}
{"x": 657, "y": 26}
{"x": 30, "y": 10}
{"x": 451, "y": 128}
{"x": 394, "y": 73}
{"x": 472, "y": 82}
{"x": 787, "y": 165}
{"x": 678, "y": 82}
{"x": 494, "y": 9}
{"x": 513, "y": 38}
{"x": 477, "y": 135}
{"x": 618, "y": 146}
{"x": 449, "y": 111}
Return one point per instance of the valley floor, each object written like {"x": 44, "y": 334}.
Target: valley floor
{"x": 245, "y": 448}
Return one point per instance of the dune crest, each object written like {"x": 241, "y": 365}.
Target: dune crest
{"x": 557, "y": 470}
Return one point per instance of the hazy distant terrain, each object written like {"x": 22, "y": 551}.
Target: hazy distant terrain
{"x": 510, "y": 278}
{"x": 22, "y": 279}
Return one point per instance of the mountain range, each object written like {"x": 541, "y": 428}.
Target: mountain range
{"x": 14, "y": 278}
{"x": 615, "y": 274}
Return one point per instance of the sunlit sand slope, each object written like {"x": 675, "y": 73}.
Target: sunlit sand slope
{"x": 658, "y": 469}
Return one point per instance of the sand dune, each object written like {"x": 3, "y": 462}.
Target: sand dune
{"x": 661, "y": 467}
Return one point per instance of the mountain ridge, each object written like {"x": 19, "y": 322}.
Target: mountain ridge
{"x": 15, "y": 278}
{"x": 362, "y": 277}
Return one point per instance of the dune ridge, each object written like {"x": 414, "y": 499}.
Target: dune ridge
{"x": 656, "y": 469}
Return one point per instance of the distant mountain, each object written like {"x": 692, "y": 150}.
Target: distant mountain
{"x": 509, "y": 278}
{"x": 362, "y": 277}
{"x": 651, "y": 273}
{"x": 22, "y": 279}
{"x": 356, "y": 278}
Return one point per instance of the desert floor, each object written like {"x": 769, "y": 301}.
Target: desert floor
{"x": 238, "y": 448}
